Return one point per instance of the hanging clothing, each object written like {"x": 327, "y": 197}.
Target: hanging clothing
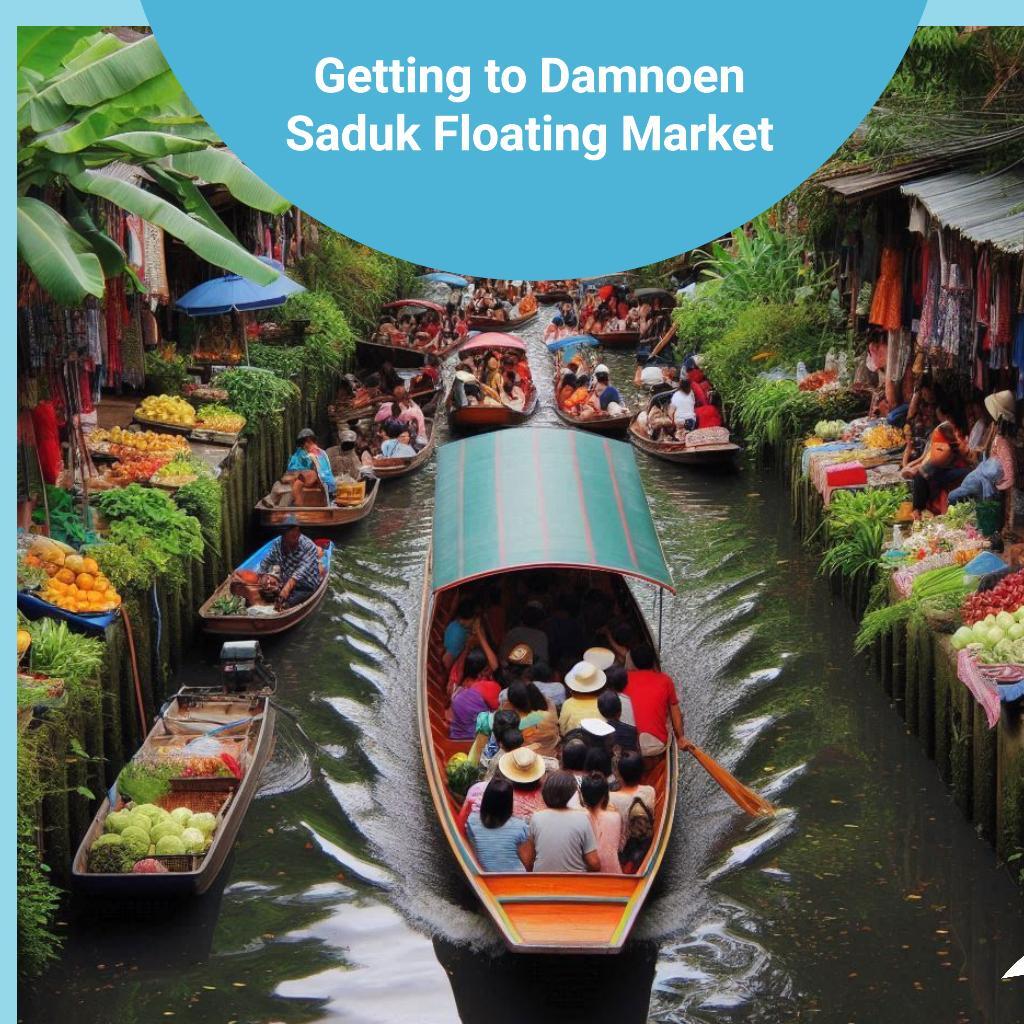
{"x": 887, "y": 302}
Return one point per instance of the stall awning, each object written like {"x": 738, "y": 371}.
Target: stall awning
{"x": 982, "y": 207}
{"x": 525, "y": 498}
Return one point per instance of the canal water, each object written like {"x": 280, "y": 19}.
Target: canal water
{"x": 867, "y": 899}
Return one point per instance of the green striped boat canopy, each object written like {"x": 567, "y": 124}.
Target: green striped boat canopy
{"x": 527, "y": 498}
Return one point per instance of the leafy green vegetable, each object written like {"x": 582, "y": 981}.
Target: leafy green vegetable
{"x": 202, "y": 499}
{"x": 61, "y": 654}
{"x": 148, "y": 512}
{"x": 143, "y": 782}
{"x": 256, "y": 393}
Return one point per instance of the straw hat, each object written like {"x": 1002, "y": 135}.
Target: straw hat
{"x": 521, "y": 765}
{"x": 600, "y": 368}
{"x": 584, "y": 677}
{"x": 521, "y": 654}
{"x": 1001, "y": 406}
{"x": 597, "y": 727}
{"x": 599, "y": 657}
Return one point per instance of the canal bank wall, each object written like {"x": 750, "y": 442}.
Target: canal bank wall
{"x": 78, "y": 752}
{"x": 982, "y": 768}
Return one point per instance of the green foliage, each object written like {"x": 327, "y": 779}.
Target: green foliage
{"x": 763, "y": 335}
{"x": 137, "y": 513}
{"x": 256, "y": 393}
{"x": 202, "y": 499}
{"x": 128, "y": 568}
{"x": 38, "y": 899}
{"x": 66, "y": 523}
{"x": 767, "y": 265}
{"x": 703, "y": 318}
{"x": 165, "y": 376}
{"x": 359, "y": 279}
{"x": 327, "y": 320}
{"x": 855, "y": 527}
{"x": 58, "y": 652}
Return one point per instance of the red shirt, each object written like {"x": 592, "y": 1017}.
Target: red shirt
{"x": 700, "y": 395}
{"x": 523, "y": 369}
{"x": 489, "y": 690}
{"x": 708, "y": 416}
{"x": 433, "y": 329}
{"x": 652, "y": 693}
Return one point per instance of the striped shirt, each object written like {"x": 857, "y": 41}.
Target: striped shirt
{"x": 302, "y": 562}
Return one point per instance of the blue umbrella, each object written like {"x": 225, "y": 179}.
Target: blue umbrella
{"x": 452, "y": 280}
{"x": 574, "y": 339}
{"x": 232, "y": 293}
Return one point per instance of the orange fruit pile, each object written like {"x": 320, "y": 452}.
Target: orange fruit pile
{"x": 75, "y": 583}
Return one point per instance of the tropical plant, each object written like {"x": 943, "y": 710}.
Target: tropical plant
{"x": 764, "y": 265}
{"x": 88, "y": 100}
{"x": 854, "y": 529}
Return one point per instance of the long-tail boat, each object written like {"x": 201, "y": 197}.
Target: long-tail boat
{"x": 275, "y": 507}
{"x": 373, "y": 351}
{"x": 572, "y": 505}
{"x": 243, "y": 725}
{"x": 388, "y": 469}
{"x": 245, "y": 625}
{"x": 488, "y": 323}
{"x": 485, "y": 417}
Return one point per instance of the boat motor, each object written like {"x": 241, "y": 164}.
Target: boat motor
{"x": 243, "y": 667}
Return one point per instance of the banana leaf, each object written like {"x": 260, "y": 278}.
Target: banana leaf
{"x": 150, "y": 145}
{"x": 61, "y": 259}
{"x": 202, "y": 240}
{"x": 42, "y": 47}
{"x": 185, "y": 190}
{"x": 111, "y": 76}
{"x": 224, "y": 168}
{"x": 109, "y": 253}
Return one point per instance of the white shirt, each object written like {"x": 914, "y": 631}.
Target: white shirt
{"x": 651, "y": 375}
{"x": 685, "y": 406}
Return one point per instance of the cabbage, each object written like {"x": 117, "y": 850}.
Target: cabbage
{"x": 193, "y": 839}
{"x": 962, "y": 637}
{"x": 989, "y": 620}
{"x": 117, "y": 820}
{"x": 995, "y": 636}
{"x": 1019, "y": 614}
{"x": 204, "y": 821}
{"x": 1004, "y": 620}
{"x": 1016, "y": 631}
{"x": 150, "y": 810}
{"x": 165, "y": 828}
{"x": 134, "y": 832}
{"x": 107, "y": 839}
{"x": 168, "y": 845}
{"x": 135, "y": 841}
{"x": 181, "y": 815}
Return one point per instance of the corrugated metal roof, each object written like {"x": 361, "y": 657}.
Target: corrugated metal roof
{"x": 982, "y": 207}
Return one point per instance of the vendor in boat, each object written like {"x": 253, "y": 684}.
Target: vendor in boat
{"x": 308, "y": 466}
{"x": 346, "y": 465}
{"x": 428, "y": 377}
{"x": 294, "y": 563}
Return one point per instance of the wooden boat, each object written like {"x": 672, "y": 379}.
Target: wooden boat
{"x": 263, "y": 625}
{"x": 595, "y": 424}
{"x": 490, "y": 522}
{"x": 273, "y": 508}
{"x": 550, "y": 298}
{"x": 616, "y": 339}
{"x": 487, "y": 417}
{"x": 487, "y": 323}
{"x": 248, "y": 719}
{"x": 347, "y": 412}
{"x": 388, "y": 469}
{"x": 678, "y": 451}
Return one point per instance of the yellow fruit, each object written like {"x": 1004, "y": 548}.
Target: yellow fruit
{"x": 24, "y": 641}
{"x": 90, "y": 565}
{"x": 65, "y": 576}
{"x": 85, "y": 581}
{"x": 76, "y": 563}
{"x": 100, "y": 584}
{"x": 51, "y": 569}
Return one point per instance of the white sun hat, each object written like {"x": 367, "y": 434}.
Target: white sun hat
{"x": 599, "y": 657}
{"x": 584, "y": 677}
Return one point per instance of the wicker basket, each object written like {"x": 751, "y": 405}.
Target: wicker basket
{"x": 941, "y": 620}
{"x": 179, "y": 861}
{"x": 197, "y": 801}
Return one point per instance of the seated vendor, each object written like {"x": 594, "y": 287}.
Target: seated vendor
{"x": 346, "y": 464}
{"x": 293, "y": 562}
{"x": 308, "y": 466}
{"x": 943, "y": 465}
{"x": 398, "y": 444}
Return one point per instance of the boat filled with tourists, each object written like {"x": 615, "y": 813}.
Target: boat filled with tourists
{"x": 511, "y": 546}
{"x": 493, "y": 384}
{"x": 409, "y": 330}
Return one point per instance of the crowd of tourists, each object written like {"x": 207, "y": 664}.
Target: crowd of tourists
{"x": 567, "y": 711}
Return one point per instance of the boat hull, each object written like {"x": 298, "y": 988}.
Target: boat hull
{"x": 550, "y": 298}
{"x": 617, "y": 339}
{"x": 390, "y": 469}
{"x": 176, "y": 884}
{"x": 610, "y": 425}
{"x": 489, "y": 417}
{"x": 316, "y": 517}
{"x": 705, "y": 455}
{"x": 590, "y": 913}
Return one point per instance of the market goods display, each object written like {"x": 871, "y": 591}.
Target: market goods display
{"x": 135, "y": 836}
{"x": 204, "y": 393}
{"x": 166, "y": 409}
{"x": 461, "y": 773}
{"x": 997, "y": 639}
{"x": 137, "y": 470}
{"x": 129, "y": 444}
{"x": 817, "y": 380}
{"x": 1006, "y": 597}
{"x": 221, "y": 418}
{"x": 176, "y": 473}
{"x": 830, "y": 430}
{"x": 74, "y": 582}
{"x": 882, "y": 438}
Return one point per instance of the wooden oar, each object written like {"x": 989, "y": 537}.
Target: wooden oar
{"x": 665, "y": 339}
{"x": 744, "y": 797}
